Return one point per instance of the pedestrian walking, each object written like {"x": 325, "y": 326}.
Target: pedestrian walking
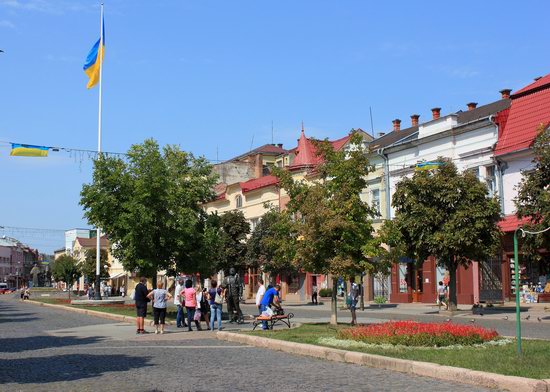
{"x": 353, "y": 299}
{"x": 179, "y": 302}
{"x": 314, "y": 292}
{"x": 215, "y": 297}
{"x": 122, "y": 291}
{"x": 203, "y": 305}
{"x": 90, "y": 292}
{"x": 442, "y": 295}
{"x": 260, "y": 294}
{"x": 190, "y": 296}
{"x": 140, "y": 297}
{"x": 160, "y": 299}
{"x": 22, "y": 292}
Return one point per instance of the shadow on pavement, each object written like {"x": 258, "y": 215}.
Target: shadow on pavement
{"x": 17, "y": 319}
{"x": 66, "y": 367}
{"x": 30, "y": 343}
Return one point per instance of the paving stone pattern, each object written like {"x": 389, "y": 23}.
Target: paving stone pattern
{"x": 43, "y": 349}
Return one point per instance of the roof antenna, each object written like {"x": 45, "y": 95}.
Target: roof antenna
{"x": 302, "y": 125}
{"x": 252, "y": 142}
{"x": 272, "y": 141}
{"x": 371, "y": 123}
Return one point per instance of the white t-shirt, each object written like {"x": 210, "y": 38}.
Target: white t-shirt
{"x": 177, "y": 293}
{"x": 259, "y": 294}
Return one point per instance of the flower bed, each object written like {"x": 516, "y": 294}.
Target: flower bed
{"x": 412, "y": 333}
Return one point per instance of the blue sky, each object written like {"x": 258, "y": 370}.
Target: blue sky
{"x": 212, "y": 76}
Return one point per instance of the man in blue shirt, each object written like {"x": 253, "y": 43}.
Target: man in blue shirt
{"x": 271, "y": 297}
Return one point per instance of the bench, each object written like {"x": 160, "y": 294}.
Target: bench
{"x": 271, "y": 321}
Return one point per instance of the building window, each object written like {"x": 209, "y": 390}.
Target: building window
{"x": 375, "y": 200}
{"x": 239, "y": 201}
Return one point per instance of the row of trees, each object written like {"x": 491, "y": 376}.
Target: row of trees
{"x": 68, "y": 269}
{"x": 149, "y": 205}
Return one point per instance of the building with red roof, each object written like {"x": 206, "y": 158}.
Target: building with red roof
{"x": 518, "y": 126}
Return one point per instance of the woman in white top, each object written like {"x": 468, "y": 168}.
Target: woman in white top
{"x": 160, "y": 298}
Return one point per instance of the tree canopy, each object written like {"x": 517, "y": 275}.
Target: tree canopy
{"x": 333, "y": 223}
{"x": 148, "y": 204}
{"x": 272, "y": 244}
{"x": 533, "y": 200}
{"x": 448, "y": 215}
{"x": 88, "y": 265}
{"x": 233, "y": 231}
{"x": 66, "y": 269}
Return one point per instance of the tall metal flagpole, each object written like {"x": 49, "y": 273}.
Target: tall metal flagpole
{"x": 98, "y": 243}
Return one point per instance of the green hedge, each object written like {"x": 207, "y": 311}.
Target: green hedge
{"x": 325, "y": 292}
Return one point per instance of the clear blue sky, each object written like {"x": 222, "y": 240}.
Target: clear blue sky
{"x": 212, "y": 75}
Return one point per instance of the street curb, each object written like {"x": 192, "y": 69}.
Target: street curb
{"x": 441, "y": 372}
{"x": 96, "y": 313}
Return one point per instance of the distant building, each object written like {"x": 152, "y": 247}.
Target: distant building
{"x": 16, "y": 262}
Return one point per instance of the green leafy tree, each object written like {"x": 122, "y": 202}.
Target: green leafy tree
{"x": 533, "y": 200}
{"x": 333, "y": 223}
{"x": 272, "y": 244}
{"x": 88, "y": 265}
{"x": 448, "y": 215}
{"x": 66, "y": 269}
{"x": 149, "y": 206}
{"x": 233, "y": 232}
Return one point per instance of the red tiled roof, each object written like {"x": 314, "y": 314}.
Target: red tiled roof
{"x": 510, "y": 223}
{"x": 257, "y": 183}
{"x": 338, "y": 144}
{"x": 529, "y": 109}
{"x": 306, "y": 154}
{"x": 533, "y": 86}
{"x": 92, "y": 242}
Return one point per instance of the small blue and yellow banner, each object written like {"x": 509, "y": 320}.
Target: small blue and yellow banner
{"x": 427, "y": 166}
{"x": 27, "y": 150}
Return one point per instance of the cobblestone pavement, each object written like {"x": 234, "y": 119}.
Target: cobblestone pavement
{"x": 44, "y": 349}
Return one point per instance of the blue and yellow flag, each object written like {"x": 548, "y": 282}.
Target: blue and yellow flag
{"x": 94, "y": 60}
{"x": 27, "y": 150}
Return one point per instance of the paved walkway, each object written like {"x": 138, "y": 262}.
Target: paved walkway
{"x": 44, "y": 349}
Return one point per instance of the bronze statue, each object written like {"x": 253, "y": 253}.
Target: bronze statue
{"x": 234, "y": 290}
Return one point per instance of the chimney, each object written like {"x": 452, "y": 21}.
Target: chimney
{"x": 505, "y": 94}
{"x": 436, "y": 113}
{"x": 396, "y": 125}
{"x": 414, "y": 119}
{"x": 471, "y": 105}
{"x": 280, "y": 145}
{"x": 258, "y": 166}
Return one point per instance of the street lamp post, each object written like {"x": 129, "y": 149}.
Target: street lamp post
{"x": 516, "y": 272}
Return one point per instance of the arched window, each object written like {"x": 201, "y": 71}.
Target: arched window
{"x": 239, "y": 201}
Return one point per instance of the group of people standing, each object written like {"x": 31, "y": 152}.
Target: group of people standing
{"x": 197, "y": 302}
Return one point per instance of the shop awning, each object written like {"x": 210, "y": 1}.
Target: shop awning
{"x": 118, "y": 275}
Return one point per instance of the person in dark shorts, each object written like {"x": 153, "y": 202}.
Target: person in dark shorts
{"x": 160, "y": 299}
{"x": 140, "y": 296}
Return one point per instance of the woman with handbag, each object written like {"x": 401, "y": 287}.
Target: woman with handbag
{"x": 190, "y": 296}
{"x": 216, "y": 301}
{"x": 202, "y": 300}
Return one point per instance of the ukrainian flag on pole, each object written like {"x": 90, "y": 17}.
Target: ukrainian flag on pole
{"x": 94, "y": 60}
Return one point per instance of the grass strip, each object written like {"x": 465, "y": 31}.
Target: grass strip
{"x": 534, "y": 363}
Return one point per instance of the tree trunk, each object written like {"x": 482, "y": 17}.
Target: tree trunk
{"x": 334, "y": 302}
{"x": 154, "y": 282}
{"x": 452, "y": 284}
{"x": 362, "y": 291}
